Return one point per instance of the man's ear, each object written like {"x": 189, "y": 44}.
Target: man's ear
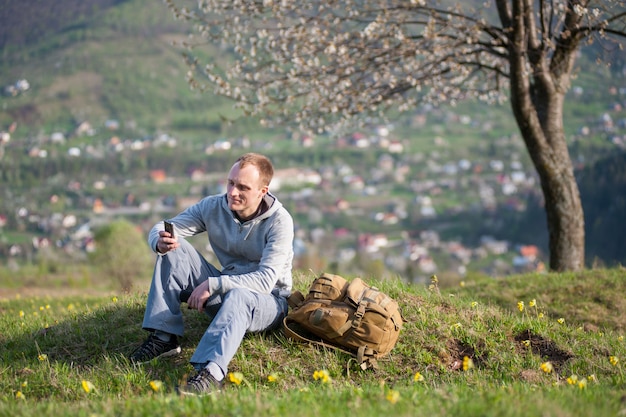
{"x": 264, "y": 189}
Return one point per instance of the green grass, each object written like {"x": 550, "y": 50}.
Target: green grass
{"x": 51, "y": 344}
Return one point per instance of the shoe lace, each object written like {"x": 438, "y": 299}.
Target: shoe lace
{"x": 151, "y": 347}
{"x": 202, "y": 381}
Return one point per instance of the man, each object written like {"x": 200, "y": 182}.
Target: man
{"x": 251, "y": 234}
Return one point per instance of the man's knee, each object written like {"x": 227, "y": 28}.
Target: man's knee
{"x": 174, "y": 258}
{"x": 239, "y": 296}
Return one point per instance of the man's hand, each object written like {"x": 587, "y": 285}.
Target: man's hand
{"x": 166, "y": 242}
{"x": 199, "y": 296}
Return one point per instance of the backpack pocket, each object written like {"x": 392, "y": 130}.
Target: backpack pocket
{"x": 332, "y": 321}
{"x": 325, "y": 319}
{"x": 328, "y": 287}
{"x": 371, "y": 330}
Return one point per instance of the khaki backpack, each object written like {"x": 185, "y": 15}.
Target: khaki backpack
{"x": 349, "y": 316}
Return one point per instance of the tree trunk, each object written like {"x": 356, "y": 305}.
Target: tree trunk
{"x": 537, "y": 95}
{"x": 564, "y": 211}
{"x": 566, "y": 225}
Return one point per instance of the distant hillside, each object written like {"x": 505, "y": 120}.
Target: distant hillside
{"x": 25, "y": 22}
{"x": 91, "y": 61}
{"x": 94, "y": 60}
{"x": 603, "y": 192}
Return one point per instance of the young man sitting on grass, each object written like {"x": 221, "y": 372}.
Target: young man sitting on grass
{"x": 251, "y": 234}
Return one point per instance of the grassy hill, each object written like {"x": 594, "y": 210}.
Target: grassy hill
{"x": 113, "y": 59}
{"x": 95, "y": 61}
{"x": 67, "y": 355}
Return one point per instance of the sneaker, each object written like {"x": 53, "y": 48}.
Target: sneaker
{"x": 154, "y": 348}
{"x": 202, "y": 383}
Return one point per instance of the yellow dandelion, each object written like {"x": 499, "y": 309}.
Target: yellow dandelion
{"x": 572, "y": 379}
{"x": 47, "y": 306}
{"x": 88, "y": 386}
{"x": 456, "y": 326}
{"x": 70, "y": 306}
{"x": 272, "y": 377}
{"x": 35, "y": 313}
{"x": 156, "y": 385}
{"x": 321, "y": 375}
{"x": 22, "y": 314}
{"x": 235, "y": 377}
{"x": 468, "y": 363}
{"x": 474, "y": 304}
{"x": 592, "y": 378}
{"x": 418, "y": 377}
{"x": 42, "y": 357}
{"x": 561, "y": 320}
{"x": 434, "y": 279}
{"x": 24, "y": 384}
{"x": 20, "y": 395}
{"x": 532, "y": 303}
{"x": 526, "y": 343}
{"x": 582, "y": 384}
{"x": 462, "y": 283}
{"x": 620, "y": 338}
{"x": 392, "y": 396}
{"x": 41, "y": 308}
{"x": 114, "y": 299}
{"x": 520, "y": 305}
{"x": 540, "y": 315}
{"x": 614, "y": 360}
{"x": 546, "y": 367}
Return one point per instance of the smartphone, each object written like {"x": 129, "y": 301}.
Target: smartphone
{"x": 169, "y": 227}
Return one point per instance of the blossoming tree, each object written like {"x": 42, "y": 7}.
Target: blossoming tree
{"x": 319, "y": 63}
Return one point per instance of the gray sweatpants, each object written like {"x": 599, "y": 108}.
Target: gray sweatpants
{"x": 234, "y": 313}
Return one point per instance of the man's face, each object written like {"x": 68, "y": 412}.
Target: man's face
{"x": 244, "y": 190}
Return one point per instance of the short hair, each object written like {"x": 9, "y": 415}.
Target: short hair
{"x": 261, "y": 162}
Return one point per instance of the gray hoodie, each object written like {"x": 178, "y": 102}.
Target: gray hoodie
{"x": 256, "y": 254}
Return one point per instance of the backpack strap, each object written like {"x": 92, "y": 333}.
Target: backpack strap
{"x": 295, "y": 299}
{"x": 366, "y": 359}
{"x": 364, "y": 355}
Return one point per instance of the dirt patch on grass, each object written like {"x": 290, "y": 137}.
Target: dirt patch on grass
{"x": 546, "y": 349}
{"x": 458, "y": 351}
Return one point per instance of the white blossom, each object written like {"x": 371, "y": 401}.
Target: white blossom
{"x": 580, "y": 10}
{"x": 341, "y": 58}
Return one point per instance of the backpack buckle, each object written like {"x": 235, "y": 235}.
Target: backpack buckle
{"x": 358, "y": 315}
